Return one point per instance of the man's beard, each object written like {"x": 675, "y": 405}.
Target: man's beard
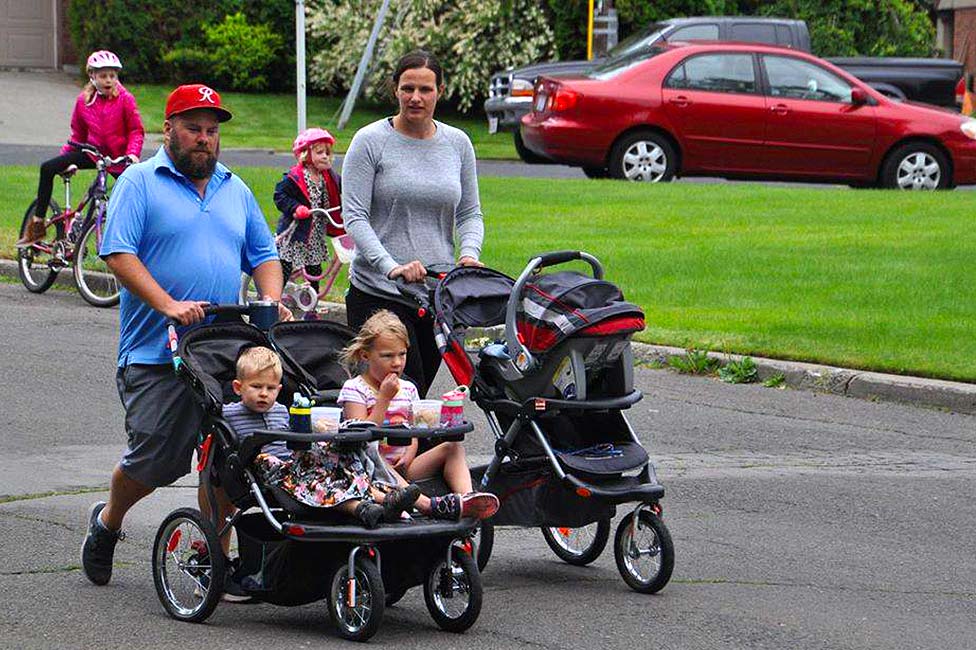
{"x": 183, "y": 161}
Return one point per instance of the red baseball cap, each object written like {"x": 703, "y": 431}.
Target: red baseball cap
{"x": 193, "y": 96}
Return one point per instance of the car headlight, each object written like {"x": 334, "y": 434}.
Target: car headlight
{"x": 969, "y": 128}
{"x": 521, "y": 88}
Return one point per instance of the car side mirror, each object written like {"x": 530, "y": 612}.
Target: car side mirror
{"x": 858, "y": 97}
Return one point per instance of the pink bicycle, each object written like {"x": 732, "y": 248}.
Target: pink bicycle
{"x": 299, "y": 295}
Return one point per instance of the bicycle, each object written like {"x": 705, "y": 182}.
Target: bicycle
{"x": 297, "y": 295}
{"x": 76, "y": 240}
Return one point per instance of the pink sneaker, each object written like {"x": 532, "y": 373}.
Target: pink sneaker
{"x": 478, "y": 505}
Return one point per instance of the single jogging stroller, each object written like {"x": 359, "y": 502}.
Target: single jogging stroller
{"x": 553, "y": 388}
{"x": 291, "y": 554}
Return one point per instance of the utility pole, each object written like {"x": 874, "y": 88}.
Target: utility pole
{"x": 300, "y": 62}
{"x": 357, "y": 81}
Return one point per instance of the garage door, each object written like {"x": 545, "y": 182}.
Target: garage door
{"x": 27, "y": 35}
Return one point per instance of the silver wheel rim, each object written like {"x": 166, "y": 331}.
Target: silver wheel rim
{"x": 183, "y": 573}
{"x": 353, "y": 619}
{"x": 455, "y": 606}
{"x": 918, "y": 171}
{"x": 645, "y": 161}
{"x": 93, "y": 275}
{"x": 575, "y": 541}
{"x": 641, "y": 551}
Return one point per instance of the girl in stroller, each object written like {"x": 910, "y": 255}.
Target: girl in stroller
{"x": 324, "y": 476}
{"x": 380, "y": 395}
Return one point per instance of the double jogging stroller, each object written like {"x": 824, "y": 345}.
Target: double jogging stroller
{"x": 553, "y": 388}
{"x": 292, "y": 554}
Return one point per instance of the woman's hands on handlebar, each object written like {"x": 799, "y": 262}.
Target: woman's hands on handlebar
{"x": 467, "y": 260}
{"x": 411, "y": 271}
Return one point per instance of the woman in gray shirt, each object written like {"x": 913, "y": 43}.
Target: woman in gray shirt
{"x": 409, "y": 200}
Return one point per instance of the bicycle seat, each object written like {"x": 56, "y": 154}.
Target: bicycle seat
{"x": 69, "y": 172}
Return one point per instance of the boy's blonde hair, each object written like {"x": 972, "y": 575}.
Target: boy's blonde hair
{"x": 256, "y": 360}
{"x": 382, "y": 322}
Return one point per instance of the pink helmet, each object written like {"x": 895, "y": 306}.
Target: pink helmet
{"x": 103, "y": 59}
{"x": 308, "y": 137}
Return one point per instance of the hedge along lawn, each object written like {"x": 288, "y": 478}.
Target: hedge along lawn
{"x": 866, "y": 279}
{"x": 268, "y": 121}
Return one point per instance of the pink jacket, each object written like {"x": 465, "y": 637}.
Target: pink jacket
{"x": 111, "y": 125}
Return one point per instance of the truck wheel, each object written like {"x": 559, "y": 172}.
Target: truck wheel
{"x": 643, "y": 156}
{"x": 916, "y": 166}
{"x": 527, "y": 156}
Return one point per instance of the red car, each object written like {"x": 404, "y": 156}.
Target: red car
{"x": 742, "y": 110}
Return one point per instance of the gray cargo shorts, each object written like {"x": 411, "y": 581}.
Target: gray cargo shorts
{"x": 162, "y": 423}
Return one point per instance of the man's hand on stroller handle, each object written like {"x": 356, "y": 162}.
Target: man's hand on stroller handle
{"x": 185, "y": 312}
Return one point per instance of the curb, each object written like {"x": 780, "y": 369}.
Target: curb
{"x": 64, "y": 279}
{"x": 950, "y": 395}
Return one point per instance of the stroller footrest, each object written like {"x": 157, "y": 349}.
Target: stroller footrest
{"x": 622, "y": 490}
{"x": 605, "y": 459}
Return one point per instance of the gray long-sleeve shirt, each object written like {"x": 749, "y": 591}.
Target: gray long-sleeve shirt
{"x": 404, "y": 199}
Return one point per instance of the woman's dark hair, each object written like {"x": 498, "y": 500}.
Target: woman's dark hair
{"x": 418, "y": 59}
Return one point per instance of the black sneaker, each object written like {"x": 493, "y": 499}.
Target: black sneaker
{"x": 399, "y": 501}
{"x": 233, "y": 591}
{"x": 370, "y": 514}
{"x": 98, "y": 548}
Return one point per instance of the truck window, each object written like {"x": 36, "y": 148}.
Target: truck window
{"x": 694, "y": 33}
{"x": 755, "y": 33}
{"x": 718, "y": 73}
{"x": 791, "y": 78}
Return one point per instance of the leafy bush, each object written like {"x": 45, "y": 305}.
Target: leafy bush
{"x": 471, "y": 38}
{"x": 241, "y": 53}
{"x": 153, "y": 36}
{"x": 743, "y": 371}
{"x": 694, "y": 362}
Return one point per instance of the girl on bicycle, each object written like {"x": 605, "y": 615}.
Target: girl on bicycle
{"x": 312, "y": 183}
{"x": 380, "y": 395}
{"x": 106, "y": 117}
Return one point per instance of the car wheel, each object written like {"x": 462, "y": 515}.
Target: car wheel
{"x": 527, "y": 156}
{"x": 916, "y": 166}
{"x": 596, "y": 172}
{"x": 643, "y": 156}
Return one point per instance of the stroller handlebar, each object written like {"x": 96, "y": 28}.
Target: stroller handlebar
{"x": 420, "y": 292}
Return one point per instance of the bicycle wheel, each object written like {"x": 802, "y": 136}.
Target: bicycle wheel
{"x": 96, "y": 284}
{"x": 578, "y": 546}
{"x": 38, "y": 265}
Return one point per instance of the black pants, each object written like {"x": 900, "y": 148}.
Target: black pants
{"x": 423, "y": 358}
{"x": 51, "y": 168}
{"x": 311, "y": 269}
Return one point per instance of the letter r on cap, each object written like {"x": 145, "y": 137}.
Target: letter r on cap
{"x": 206, "y": 94}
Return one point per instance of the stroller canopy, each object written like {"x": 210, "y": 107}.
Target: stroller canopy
{"x": 471, "y": 296}
{"x": 314, "y": 347}
{"x": 555, "y": 306}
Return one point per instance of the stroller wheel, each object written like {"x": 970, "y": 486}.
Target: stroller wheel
{"x": 578, "y": 546}
{"x": 644, "y": 552}
{"x": 188, "y": 566}
{"x": 360, "y": 620}
{"x": 453, "y": 594}
{"x": 484, "y": 541}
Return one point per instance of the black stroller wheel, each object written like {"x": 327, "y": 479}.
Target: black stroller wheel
{"x": 360, "y": 621}
{"x": 453, "y": 594}
{"x": 188, "y": 566}
{"x": 484, "y": 542}
{"x": 644, "y": 553}
{"x": 578, "y": 546}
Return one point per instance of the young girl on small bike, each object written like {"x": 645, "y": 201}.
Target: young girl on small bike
{"x": 106, "y": 117}
{"x": 381, "y": 395}
{"x": 311, "y": 183}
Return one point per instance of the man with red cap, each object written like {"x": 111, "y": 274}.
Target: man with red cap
{"x": 180, "y": 230}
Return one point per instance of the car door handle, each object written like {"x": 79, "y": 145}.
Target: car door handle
{"x": 780, "y": 109}
{"x": 680, "y": 101}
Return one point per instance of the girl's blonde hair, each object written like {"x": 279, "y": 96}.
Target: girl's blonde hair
{"x": 382, "y": 322}
{"x": 90, "y": 90}
{"x": 256, "y": 360}
{"x": 305, "y": 154}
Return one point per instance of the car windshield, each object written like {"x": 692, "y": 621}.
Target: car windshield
{"x": 613, "y": 67}
{"x": 636, "y": 42}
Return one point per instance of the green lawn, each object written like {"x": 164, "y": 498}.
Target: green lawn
{"x": 268, "y": 121}
{"x": 865, "y": 279}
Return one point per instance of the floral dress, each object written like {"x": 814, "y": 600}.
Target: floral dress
{"x": 324, "y": 476}
{"x": 314, "y": 250}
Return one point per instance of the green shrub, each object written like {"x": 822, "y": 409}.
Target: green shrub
{"x": 187, "y": 65}
{"x": 241, "y": 53}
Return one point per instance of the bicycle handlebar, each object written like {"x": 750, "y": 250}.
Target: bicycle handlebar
{"x": 327, "y": 213}
{"x": 92, "y": 151}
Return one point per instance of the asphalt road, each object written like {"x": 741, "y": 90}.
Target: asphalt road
{"x": 800, "y": 520}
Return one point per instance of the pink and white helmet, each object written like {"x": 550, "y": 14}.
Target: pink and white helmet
{"x": 308, "y": 137}
{"x": 103, "y": 59}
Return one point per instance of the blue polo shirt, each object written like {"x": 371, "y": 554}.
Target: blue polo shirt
{"x": 195, "y": 248}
